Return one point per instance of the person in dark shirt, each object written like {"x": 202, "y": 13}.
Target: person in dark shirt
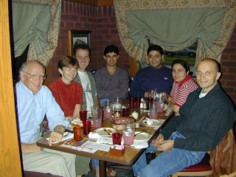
{"x": 205, "y": 118}
{"x": 111, "y": 81}
{"x": 155, "y": 77}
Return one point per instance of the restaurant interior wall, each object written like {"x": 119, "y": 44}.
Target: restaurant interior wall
{"x": 100, "y": 20}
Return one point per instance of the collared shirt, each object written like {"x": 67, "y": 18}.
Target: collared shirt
{"x": 31, "y": 110}
{"x": 181, "y": 90}
{"x": 112, "y": 86}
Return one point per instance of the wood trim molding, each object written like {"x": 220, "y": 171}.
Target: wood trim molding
{"x": 94, "y": 2}
{"x": 10, "y": 163}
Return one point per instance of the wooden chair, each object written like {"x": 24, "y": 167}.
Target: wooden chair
{"x": 201, "y": 169}
{"x": 229, "y": 175}
{"x": 220, "y": 161}
{"x": 38, "y": 174}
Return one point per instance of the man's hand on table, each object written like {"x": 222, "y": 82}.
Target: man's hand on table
{"x": 56, "y": 135}
{"x": 27, "y": 148}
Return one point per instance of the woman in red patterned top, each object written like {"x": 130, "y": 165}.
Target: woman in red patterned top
{"x": 68, "y": 93}
{"x": 182, "y": 86}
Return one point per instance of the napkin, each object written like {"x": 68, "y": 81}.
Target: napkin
{"x": 93, "y": 135}
{"x": 140, "y": 144}
{"x": 104, "y": 140}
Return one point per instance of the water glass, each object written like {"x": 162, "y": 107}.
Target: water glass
{"x": 107, "y": 111}
{"x": 96, "y": 116}
{"x": 128, "y": 134}
{"x": 153, "y": 108}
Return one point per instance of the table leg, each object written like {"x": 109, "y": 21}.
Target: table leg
{"x": 102, "y": 168}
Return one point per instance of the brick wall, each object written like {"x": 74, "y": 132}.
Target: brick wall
{"x": 101, "y": 22}
{"x": 228, "y": 62}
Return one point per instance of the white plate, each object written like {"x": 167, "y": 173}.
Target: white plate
{"x": 141, "y": 136}
{"x": 105, "y": 131}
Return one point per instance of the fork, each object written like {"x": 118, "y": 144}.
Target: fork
{"x": 105, "y": 130}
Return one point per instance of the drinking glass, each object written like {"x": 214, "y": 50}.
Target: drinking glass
{"x": 87, "y": 127}
{"x": 83, "y": 115}
{"x": 128, "y": 134}
{"x": 153, "y": 108}
{"x": 96, "y": 116}
{"x": 116, "y": 138}
{"x": 107, "y": 112}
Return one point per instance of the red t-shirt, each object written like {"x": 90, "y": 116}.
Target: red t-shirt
{"x": 67, "y": 95}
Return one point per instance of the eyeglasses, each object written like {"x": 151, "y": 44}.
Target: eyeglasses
{"x": 36, "y": 76}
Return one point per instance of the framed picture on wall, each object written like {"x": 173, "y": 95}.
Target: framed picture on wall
{"x": 78, "y": 36}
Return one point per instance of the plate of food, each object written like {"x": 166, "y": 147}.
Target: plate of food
{"x": 141, "y": 136}
{"x": 153, "y": 123}
{"x": 105, "y": 131}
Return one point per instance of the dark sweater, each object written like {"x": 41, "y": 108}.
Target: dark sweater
{"x": 203, "y": 121}
{"x": 150, "y": 78}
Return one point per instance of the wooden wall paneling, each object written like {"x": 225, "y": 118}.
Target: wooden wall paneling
{"x": 10, "y": 164}
{"x": 105, "y": 3}
{"x": 133, "y": 67}
{"x": 87, "y": 2}
{"x": 94, "y": 2}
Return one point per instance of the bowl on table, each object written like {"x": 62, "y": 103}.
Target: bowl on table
{"x": 120, "y": 122}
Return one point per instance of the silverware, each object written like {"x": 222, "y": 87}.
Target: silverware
{"x": 106, "y": 130}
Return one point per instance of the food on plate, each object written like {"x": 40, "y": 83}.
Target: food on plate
{"x": 104, "y": 131}
{"x": 122, "y": 120}
{"x": 118, "y": 123}
{"x": 147, "y": 122}
{"x": 109, "y": 131}
{"x": 135, "y": 115}
{"x": 76, "y": 121}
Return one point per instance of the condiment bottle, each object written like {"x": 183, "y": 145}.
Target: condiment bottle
{"x": 78, "y": 133}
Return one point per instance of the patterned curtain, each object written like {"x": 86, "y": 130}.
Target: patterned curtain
{"x": 36, "y": 23}
{"x": 175, "y": 25}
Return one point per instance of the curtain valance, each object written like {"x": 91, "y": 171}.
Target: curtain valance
{"x": 175, "y": 25}
{"x": 36, "y": 23}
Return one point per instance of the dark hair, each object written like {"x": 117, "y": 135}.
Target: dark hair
{"x": 82, "y": 46}
{"x": 66, "y": 61}
{"x": 182, "y": 63}
{"x": 156, "y": 48}
{"x": 110, "y": 49}
{"x": 218, "y": 66}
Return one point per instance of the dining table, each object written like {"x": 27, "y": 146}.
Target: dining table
{"x": 130, "y": 155}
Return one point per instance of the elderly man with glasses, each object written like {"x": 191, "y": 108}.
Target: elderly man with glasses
{"x": 34, "y": 101}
